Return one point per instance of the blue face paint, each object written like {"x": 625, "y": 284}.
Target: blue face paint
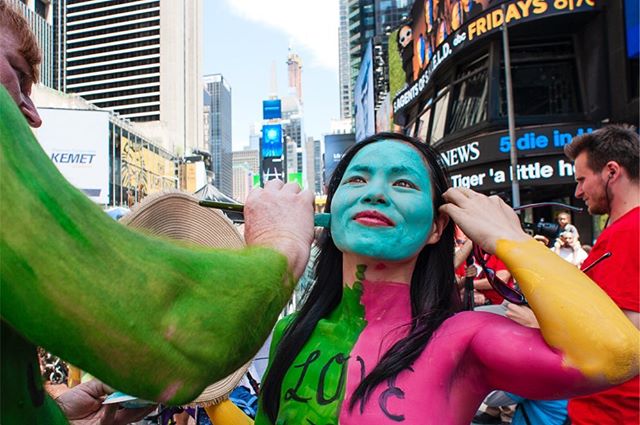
{"x": 383, "y": 208}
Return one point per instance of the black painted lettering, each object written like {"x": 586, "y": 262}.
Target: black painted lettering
{"x": 341, "y": 361}
{"x": 391, "y": 391}
{"x": 292, "y": 393}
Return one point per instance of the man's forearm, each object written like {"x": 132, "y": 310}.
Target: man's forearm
{"x": 149, "y": 317}
{"x": 575, "y": 315}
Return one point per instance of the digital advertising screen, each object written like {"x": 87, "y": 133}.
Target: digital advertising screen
{"x": 334, "y": 147}
{"x": 271, "y": 146}
{"x": 271, "y": 109}
{"x": 363, "y": 97}
{"x": 438, "y": 30}
{"x": 631, "y": 12}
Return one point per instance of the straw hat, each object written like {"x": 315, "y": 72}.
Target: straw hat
{"x": 177, "y": 215}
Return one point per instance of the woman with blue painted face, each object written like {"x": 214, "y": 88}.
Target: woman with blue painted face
{"x": 380, "y": 338}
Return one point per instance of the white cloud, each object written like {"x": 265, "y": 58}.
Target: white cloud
{"x": 310, "y": 24}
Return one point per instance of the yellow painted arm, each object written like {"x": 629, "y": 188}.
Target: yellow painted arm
{"x": 227, "y": 413}
{"x": 576, "y": 316}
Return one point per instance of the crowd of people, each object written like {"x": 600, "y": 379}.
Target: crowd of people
{"x": 382, "y": 336}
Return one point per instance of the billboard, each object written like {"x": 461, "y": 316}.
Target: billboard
{"x": 77, "y": 141}
{"x": 632, "y": 26}
{"x": 438, "y": 30}
{"x": 334, "y": 147}
{"x": 364, "y": 96}
{"x": 482, "y": 162}
{"x": 271, "y": 168}
{"x": 143, "y": 169}
{"x": 271, "y": 109}
{"x": 271, "y": 146}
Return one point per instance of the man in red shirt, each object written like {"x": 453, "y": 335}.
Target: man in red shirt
{"x": 606, "y": 170}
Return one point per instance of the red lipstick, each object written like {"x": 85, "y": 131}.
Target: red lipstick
{"x": 373, "y": 218}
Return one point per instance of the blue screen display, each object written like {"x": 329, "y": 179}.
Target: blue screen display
{"x": 272, "y": 141}
{"x": 632, "y": 27}
{"x": 271, "y": 109}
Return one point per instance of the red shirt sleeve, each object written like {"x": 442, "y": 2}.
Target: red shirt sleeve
{"x": 619, "y": 275}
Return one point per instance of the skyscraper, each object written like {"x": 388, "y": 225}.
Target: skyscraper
{"x": 294, "y": 65}
{"x": 346, "y": 89}
{"x": 292, "y": 126}
{"x": 110, "y": 54}
{"x": 220, "y": 144}
{"x": 361, "y": 20}
{"x": 40, "y": 18}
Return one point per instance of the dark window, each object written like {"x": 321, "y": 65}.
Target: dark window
{"x": 131, "y": 101}
{"x": 422, "y": 128}
{"x": 109, "y": 12}
{"x": 110, "y": 30}
{"x": 545, "y": 79}
{"x": 440, "y": 115}
{"x": 140, "y": 90}
{"x": 121, "y": 37}
{"x": 144, "y": 79}
{"x": 117, "y": 56}
{"x": 146, "y": 118}
{"x": 133, "y": 44}
{"x": 138, "y": 110}
{"x": 469, "y": 96}
{"x": 41, "y": 8}
{"x": 115, "y": 66}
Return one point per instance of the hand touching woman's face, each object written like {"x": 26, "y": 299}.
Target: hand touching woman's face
{"x": 383, "y": 208}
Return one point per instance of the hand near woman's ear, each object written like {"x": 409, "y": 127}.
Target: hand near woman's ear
{"x": 483, "y": 219}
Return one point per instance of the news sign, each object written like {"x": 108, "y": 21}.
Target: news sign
{"x": 547, "y": 170}
{"x": 483, "y": 162}
{"x": 491, "y": 147}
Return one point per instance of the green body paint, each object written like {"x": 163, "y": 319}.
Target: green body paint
{"x": 154, "y": 319}
{"x": 383, "y": 209}
{"x": 313, "y": 388}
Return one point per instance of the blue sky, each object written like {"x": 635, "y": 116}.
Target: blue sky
{"x": 241, "y": 40}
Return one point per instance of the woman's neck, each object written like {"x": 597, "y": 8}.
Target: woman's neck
{"x": 359, "y": 268}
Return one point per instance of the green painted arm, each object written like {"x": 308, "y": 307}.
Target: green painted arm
{"x": 151, "y": 318}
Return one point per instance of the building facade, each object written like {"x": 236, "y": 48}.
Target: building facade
{"x": 39, "y": 14}
{"x": 294, "y": 71}
{"x": 344, "y": 66}
{"x": 138, "y": 58}
{"x": 368, "y": 20}
{"x": 138, "y": 166}
{"x": 568, "y": 78}
{"x": 292, "y": 125}
{"x": 220, "y": 144}
{"x": 246, "y": 168}
{"x": 314, "y": 165}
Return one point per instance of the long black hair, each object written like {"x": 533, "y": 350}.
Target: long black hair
{"x": 433, "y": 292}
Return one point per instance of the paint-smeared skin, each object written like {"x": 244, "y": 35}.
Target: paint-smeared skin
{"x": 446, "y": 383}
{"x": 113, "y": 301}
{"x": 471, "y": 354}
{"x": 313, "y": 388}
{"x": 402, "y": 193}
{"x": 576, "y": 316}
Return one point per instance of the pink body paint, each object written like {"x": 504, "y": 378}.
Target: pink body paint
{"x": 457, "y": 369}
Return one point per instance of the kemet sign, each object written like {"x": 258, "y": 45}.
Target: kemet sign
{"x": 482, "y": 162}
{"x": 438, "y": 30}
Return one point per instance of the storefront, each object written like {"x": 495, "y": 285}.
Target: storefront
{"x": 573, "y": 69}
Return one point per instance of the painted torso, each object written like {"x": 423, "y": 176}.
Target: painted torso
{"x": 440, "y": 387}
